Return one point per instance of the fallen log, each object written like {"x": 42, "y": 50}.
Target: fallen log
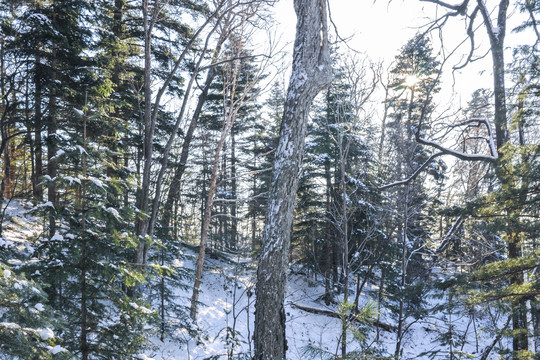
{"x": 384, "y": 326}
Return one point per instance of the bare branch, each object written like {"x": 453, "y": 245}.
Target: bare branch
{"x": 415, "y": 174}
{"x": 459, "y": 8}
{"x": 470, "y": 33}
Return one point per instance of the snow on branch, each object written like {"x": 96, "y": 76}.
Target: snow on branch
{"x": 492, "y": 157}
{"x": 443, "y": 150}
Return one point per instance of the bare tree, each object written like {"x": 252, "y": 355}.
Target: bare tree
{"x": 234, "y": 100}
{"x": 217, "y": 21}
{"x": 311, "y": 72}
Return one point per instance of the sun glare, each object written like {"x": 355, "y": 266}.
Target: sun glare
{"x": 411, "y": 80}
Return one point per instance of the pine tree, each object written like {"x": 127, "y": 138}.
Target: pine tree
{"x": 28, "y": 326}
{"x": 415, "y": 79}
{"x": 85, "y": 259}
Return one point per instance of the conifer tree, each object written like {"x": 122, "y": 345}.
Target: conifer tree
{"x": 415, "y": 81}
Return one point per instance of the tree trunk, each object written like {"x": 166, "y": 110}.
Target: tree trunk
{"x": 38, "y": 173}
{"x": 52, "y": 146}
{"x": 311, "y": 72}
{"x": 401, "y": 315}
{"x": 328, "y": 290}
{"x": 144, "y": 195}
{"x": 84, "y": 290}
{"x": 208, "y": 212}
{"x": 174, "y": 189}
{"x": 233, "y": 245}
{"x": 496, "y": 36}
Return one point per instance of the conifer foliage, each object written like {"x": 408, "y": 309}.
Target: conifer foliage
{"x": 135, "y": 135}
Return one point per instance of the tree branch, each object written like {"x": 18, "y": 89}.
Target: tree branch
{"x": 414, "y": 174}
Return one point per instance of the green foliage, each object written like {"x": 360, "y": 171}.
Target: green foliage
{"x": 359, "y": 324}
{"x": 27, "y": 324}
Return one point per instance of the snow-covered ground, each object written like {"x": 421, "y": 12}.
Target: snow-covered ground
{"x": 223, "y": 301}
{"x": 229, "y": 302}
{"x": 19, "y": 225}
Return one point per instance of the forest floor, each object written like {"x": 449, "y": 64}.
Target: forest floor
{"x": 228, "y": 303}
{"x": 226, "y": 315}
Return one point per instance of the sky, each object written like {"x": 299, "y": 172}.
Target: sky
{"x": 376, "y": 28}
{"x": 380, "y": 28}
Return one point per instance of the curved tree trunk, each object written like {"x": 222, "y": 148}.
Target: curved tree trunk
{"x": 311, "y": 72}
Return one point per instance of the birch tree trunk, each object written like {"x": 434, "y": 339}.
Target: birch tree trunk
{"x": 311, "y": 72}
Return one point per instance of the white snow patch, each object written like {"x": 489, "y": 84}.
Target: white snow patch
{"x": 45, "y": 334}
{"x": 57, "y": 237}
{"x": 58, "y": 349}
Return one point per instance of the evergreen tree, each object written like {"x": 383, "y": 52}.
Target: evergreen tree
{"x": 85, "y": 260}
{"x": 415, "y": 79}
{"x": 28, "y": 326}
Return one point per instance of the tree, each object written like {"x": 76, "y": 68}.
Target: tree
{"x": 311, "y": 71}
{"x": 237, "y": 92}
{"x": 415, "y": 79}
{"x": 501, "y": 149}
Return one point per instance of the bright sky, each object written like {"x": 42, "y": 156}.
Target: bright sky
{"x": 380, "y": 28}
{"x": 376, "y": 28}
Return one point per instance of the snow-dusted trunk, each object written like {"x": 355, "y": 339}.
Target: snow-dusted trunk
{"x": 311, "y": 72}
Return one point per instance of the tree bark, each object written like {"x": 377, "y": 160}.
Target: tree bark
{"x": 311, "y": 72}
{"x": 52, "y": 146}
{"x": 38, "y": 153}
{"x": 174, "y": 188}
{"x": 149, "y": 126}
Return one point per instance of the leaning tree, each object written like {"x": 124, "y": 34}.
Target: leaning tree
{"x": 311, "y": 72}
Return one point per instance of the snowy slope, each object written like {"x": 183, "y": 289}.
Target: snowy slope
{"x": 223, "y": 301}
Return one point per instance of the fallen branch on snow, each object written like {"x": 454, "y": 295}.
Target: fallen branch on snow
{"x": 384, "y": 326}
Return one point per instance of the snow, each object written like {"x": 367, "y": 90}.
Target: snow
{"x": 45, "y": 334}
{"x": 113, "y": 212}
{"x": 144, "y": 357}
{"x": 47, "y": 204}
{"x": 57, "y": 237}
{"x": 81, "y": 149}
{"x": 42, "y": 19}
{"x": 227, "y": 300}
{"x": 178, "y": 263}
{"x": 97, "y": 182}
{"x": 57, "y": 349}
{"x": 71, "y": 180}
{"x": 223, "y": 298}
{"x": 11, "y": 326}
{"x": 58, "y": 154}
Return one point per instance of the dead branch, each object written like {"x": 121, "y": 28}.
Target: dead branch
{"x": 384, "y": 326}
{"x": 415, "y": 174}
